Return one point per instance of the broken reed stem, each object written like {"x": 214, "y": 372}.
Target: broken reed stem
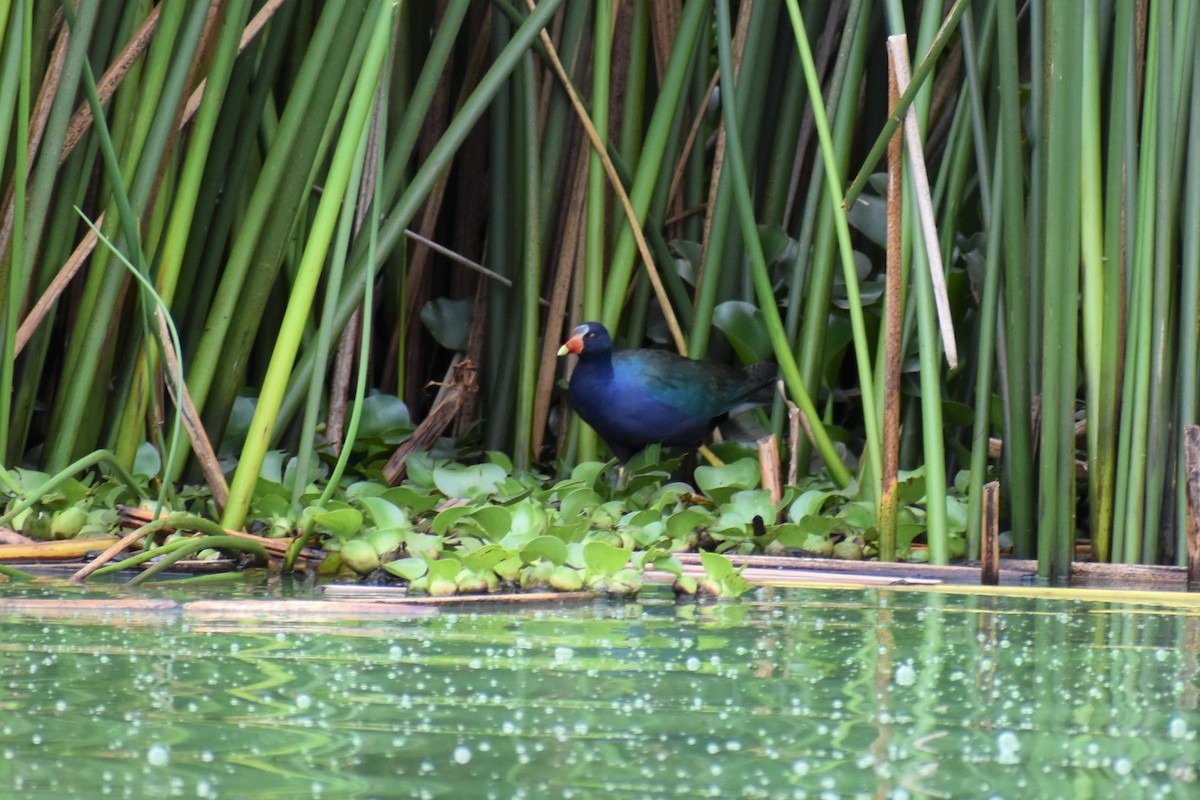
{"x": 893, "y": 333}
{"x": 990, "y": 552}
{"x": 1191, "y": 455}
{"x": 771, "y": 469}
{"x": 120, "y": 546}
{"x": 898, "y": 51}
{"x": 201, "y": 445}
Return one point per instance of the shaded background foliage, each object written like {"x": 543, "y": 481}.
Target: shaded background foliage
{"x": 1063, "y": 149}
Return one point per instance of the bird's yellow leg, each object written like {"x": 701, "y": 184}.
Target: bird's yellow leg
{"x": 710, "y": 456}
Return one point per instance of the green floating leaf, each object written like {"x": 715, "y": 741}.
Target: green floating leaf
{"x": 426, "y": 544}
{"x": 868, "y": 215}
{"x": 603, "y": 558}
{"x": 407, "y": 497}
{"x": 240, "y": 416}
{"x": 146, "y": 462}
{"x": 386, "y": 541}
{"x": 385, "y": 514}
{"x": 550, "y": 548}
{"x": 449, "y": 321}
{"x": 577, "y": 503}
{"x": 684, "y": 523}
{"x": 716, "y": 566}
{"x": 443, "y": 568}
{"x": 589, "y": 472}
{"x": 859, "y": 515}
{"x": 743, "y": 507}
{"x": 668, "y": 563}
{"x": 447, "y": 518}
{"x": 476, "y": 480}
{"x": 385, "y": 418}
{"x": 809, "y": 503}
{"x": 485, "y": 558}
{"x": 719, "y": 483}
{"x": 496, "y": 521}
{"x": 342, "y": 523}
{"x": 734, "y": 586}
{"x": 527, "y": 519}
{"x": 745, "y": 328}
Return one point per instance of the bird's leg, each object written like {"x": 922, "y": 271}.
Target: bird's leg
{"x": 710, "y": 456}
{"x": 622, "y": 478}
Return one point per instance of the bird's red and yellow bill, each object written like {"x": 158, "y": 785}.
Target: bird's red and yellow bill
{"x": 572, "y": 345}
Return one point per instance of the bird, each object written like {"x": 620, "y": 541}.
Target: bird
{"x": 637, "y": 397}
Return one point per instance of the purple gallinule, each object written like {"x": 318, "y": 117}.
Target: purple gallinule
{"x": 633, "y": 398}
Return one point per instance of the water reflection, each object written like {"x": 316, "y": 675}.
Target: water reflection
{"x": 792, "y": 693}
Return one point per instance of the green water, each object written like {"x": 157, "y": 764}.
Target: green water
{"x": 797, "y": 693}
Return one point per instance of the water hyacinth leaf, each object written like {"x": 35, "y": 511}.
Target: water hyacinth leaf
{"x": 809, "y": 503}
{"x": 271, "y": 504}
{"x": 589, "y": 472}
{"x": 603, "y": 558}
{"x": 550, "y": 548}
{"x": 342, "y": 522}
{"x": 683, "y": 523}
{"x": 407, "y": 497}
{"x": 485, "y": 558}
{"x": 669, "y": 494}
{"x": 384, "y": 418}
{"x": 147, "y": 462}
{"x": 449, "y": 321}
{"x": 794, "y": 535}
{"x": 716, "y": 566}
{"x": 734, "y": 586}
{"x": 743, "y": 507}
{"x": 744, "y": 327}
{"x": 360, "y": 489}
{"x": 911, "y": 487}
{"x": 956, "y": 514}
{"x": 358, "y": 555}
{"x": 822, "y": 526}
{"x": 385, "y": 514}
{"x": 649, "y": 534}
{"x": 420, "y": 466}
{"x": 290, "y": 476}
{"x": 424, "y": 544}
{"x": 858, "y": 515}
{"x": 868, "y": 215}
{"x": 496, "y": 521}
{"x": 568, "y": 531}
{"x": 639, "y": 518}
{"x": 386, "y": 541}
{"x": 443, "y": 568}
{"x": 272, "y": 467}
{"x": 668, "y": 563}
{"x": 527, "y": 519}
{"x": 240, "y": 416}
{"x": 646, "y": 479}
{"x": 468, "y": 482}
{"x": 500, "y": 459}
{"x": 719, "y": 483}
{"x": 509, "y": 568}
{"x": 447, "y": 518}
{"x": 578, "y": 503}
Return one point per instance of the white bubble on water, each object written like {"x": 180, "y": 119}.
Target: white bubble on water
{"x": 158, "y": 755}
{"x": 462, "y": 754}
{"x": 905, "y": 675}
{"x": 1008, "y": 748}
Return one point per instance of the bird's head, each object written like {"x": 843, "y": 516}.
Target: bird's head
{"x": 590, "y": 338}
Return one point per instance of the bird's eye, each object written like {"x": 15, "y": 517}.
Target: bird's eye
{"x": 592, "y": 335}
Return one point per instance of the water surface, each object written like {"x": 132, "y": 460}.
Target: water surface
{"x": 786, "y": 693}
